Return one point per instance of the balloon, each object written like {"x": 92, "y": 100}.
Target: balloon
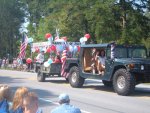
{"x": 48, "y": 50}
{"x": 46, "y": 64}
{"x": 87, "y": 36}
{"x": 70, "y": 48}
{"x": 50, "y": 61}
{"x": 59, "y": 48}
{"x": 67, "y": 48}
{"x": 30, "y": 40}
{"x": 47, "y": 35}
{"x": 29, "y": 60}
{"x": 64, "y": 38}
{"x": 75, "y": 49}
{"x": 33, "y": 50}
{"x": 53, "y": 47}
{"x": 50, "y": 40}
{"x": 42, "y": 49}
{"x": 84, "y": 39}
{"x": 78, "y": 48}
{"x": 37, "y": 50}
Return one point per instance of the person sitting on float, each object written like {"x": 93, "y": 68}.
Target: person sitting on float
{"x": 100, "y": 56}
{"x": 57, "y": 59}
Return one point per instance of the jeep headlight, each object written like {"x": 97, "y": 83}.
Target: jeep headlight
{"x": 131, "y": 66}
{"x": 142, "y": 67}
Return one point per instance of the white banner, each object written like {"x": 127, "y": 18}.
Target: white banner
{"x": 40, "y": 44}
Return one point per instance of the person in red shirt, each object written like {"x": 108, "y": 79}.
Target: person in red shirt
{"x": 57, "y": 59}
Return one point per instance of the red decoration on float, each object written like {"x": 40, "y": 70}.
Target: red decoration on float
{"x": 64, "y": 38}
{"x": 37, "y": 50}
{"x": 87, "y": 36}
{"x": 53, "y": 47}
{"x": 48, "y": 50}
{"x": 29, "y": 60}
{"x": 47, "y": 35}
{"x": 78, "y": 48}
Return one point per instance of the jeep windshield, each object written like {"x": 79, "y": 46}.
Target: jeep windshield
{"x": 137, "y": 53}
{"x": 128, "y": 52}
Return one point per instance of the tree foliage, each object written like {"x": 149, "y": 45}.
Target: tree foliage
{"x": 106, "y": 20}
{"x": 11, "y": 19}
{"x": 123, "y": 21}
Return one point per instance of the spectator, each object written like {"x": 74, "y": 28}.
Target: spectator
{"x": 30, "y": 103}
{"x": 0, "y": 62}
{"x": 15, "y": 63}
{"x": 65, "y": 106}
{"x": 4, "y": 62}
{"x": 17, "y": 100}
{"x": 5, "y": 97}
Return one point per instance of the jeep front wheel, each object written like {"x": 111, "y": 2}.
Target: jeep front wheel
{"x": 75, "y": 79}
{"x": 123, "y": 82}
{"x": 40, "y": 76}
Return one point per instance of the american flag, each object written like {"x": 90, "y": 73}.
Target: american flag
{"x": 23, "y": 46}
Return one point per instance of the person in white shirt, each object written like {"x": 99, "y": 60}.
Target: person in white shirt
{"x": 100, "y": 56}
{"x": 40, "y": 57}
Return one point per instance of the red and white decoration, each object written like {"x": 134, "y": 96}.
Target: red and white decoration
{"x": 63, "y": 59}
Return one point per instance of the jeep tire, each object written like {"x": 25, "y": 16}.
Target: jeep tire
{"x": 123, "y": 82}
{"x": 75, "y": 79}
{"x": 40, "y": 76}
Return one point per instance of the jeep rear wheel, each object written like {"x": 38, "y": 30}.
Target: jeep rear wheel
{"x": 75, "y": 79}
{"x": 123, "y": 82}
{"x": 40, "y": 76}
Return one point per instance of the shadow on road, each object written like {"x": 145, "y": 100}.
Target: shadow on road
{"x": 100, "y": 87}
{"x": 8, "y": 80}
{"x": 139, "y": 92}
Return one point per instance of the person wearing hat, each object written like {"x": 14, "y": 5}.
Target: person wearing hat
{"x": 65, "y": 106}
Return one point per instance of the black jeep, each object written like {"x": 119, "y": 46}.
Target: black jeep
{"x": 125, "y": 67}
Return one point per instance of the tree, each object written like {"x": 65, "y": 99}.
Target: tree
{"x": 11, "y": 18}
{"x": 106, "y": 20}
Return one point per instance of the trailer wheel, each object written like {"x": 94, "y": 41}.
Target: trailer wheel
{"x": 123, "y": 82}
{"x": 40, "y": 76}
{"x": 75, "y": 79}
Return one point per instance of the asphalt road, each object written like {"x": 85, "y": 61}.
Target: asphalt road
{"x": 93, "y": 97}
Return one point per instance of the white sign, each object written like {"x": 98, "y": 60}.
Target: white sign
{"x": 40, "y": 44}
